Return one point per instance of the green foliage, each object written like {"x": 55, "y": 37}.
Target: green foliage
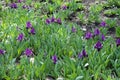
{"x": 118, "y": 31}
{"x": 57, "y": 39}
{"x": 114, "y": 2}
{"x": 111, "y": 12}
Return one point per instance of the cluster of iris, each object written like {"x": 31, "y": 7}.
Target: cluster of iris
{"x": 14, "y": 5}
{"x": 88, "y": 35}
{"x": 30, "y": 28}
{"x": 52, "y": 20}
{"x": 20, "y": 37}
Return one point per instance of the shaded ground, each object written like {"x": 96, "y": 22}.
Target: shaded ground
{"x": 86, "y": 27}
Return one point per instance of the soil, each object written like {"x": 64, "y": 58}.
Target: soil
{"x": 73, "y": 17}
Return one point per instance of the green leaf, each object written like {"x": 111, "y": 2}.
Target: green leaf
{"x": 103, "y": 76}
{"x": 118, "y": 31}
{"x": 79, "y": 78}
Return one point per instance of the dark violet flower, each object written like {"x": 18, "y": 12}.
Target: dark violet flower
{"x": 103, "y": 37}
{"x": 64, "y": 7}
{"x": 28, "y": 25}
{"x": 48, "y": 21}
{"x": 118, "y": 42}
{"x": 82, "y": 54}
{"x": 59, "y": 21}
{"x": 103, "y": 23}
{"x": 19, "y": 1}
{"x": 73, "y": 29}
{"x": 24, "y": 6}
{"x": 28, "y": 7}
{"x": 32, "y": 31}
{"x": 13, "y": 5}
{"x": 54, "y": 58}
{"x": 96, "y": 31}
{"x": 28, "y": 52}
{"x": 52, "y": 19}
{"x": 88, "y": 35}
{"x": 98, "y": 45}
{"x": 2, "y": 51}
{"x": 20, "y": 37}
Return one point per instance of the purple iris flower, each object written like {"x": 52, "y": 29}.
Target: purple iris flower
{"x": 52, "y": 19}
{"x": 28, "y": 52}
{"x": 82, "y": 54}
{"x": 48, "y": 21}
{"x": 98, "y": 45}
{"x": 59, "y": 21}
{"x": 13, "y": 5}
{"x": 32, "y": 31}
{"x": 103, "y": 23}
{"x": 54, "y": 58}
{"x": 73, "y": 29}
{"x": 2, "y": 51}
{"x": 20, "y": 37}
{"x": 118, "y": 42}
{"x": 19, "y": 1}
{"x": 96, "y": 31}
{"x": 103, "y": 37}
{"x": 25, "y": 7}
{"x": 88, "y": 35}
{"x": 64, "y": 7}
{"x": 28, "y": 25}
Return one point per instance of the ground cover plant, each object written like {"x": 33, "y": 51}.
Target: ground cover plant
{"x": 59, "y": 39}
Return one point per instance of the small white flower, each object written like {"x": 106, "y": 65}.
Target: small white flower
{"x": 86, "y": 65}
{"x": 32, "y": 60}
{"x": 60, "y": 78}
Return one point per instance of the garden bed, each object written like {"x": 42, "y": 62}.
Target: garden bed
{"x": 59, "y": 40}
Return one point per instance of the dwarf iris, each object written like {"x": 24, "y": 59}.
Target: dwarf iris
{"x": 88, "y": 35}
{"x": 28, "y": 52}
{"x": 73, "y": 29}
{"x": 2, "y": 51}
{"x": 82, "y": 54}
{"x": 13, "y": 5}
{"x": 98, "y": 45}
{"x": 48, "y": 21}
{"x": 103, "y": 37}
{"x": 32, "y": 31}
{"x": 59, "y": 21}
{"x": 54, "y": 58}
{"x": 20, "y": 37}
{"x": 118, "y": 42}
{"x": 103, "y": 23}
{"x": 28, "y": 25}
{"x": 96, "y": 31}
{"x": 64, "y": 7}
